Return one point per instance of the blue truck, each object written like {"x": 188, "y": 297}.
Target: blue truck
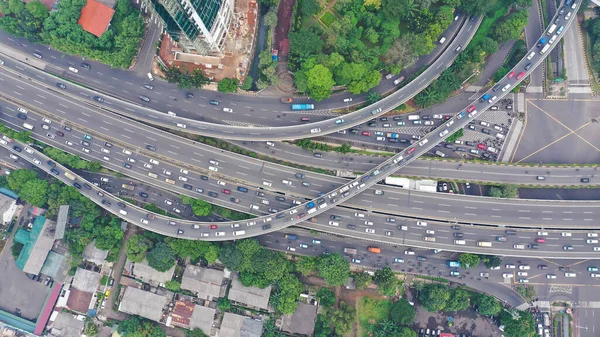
{"x": 310, "y": 205}
{"x": 484, "y": 98}
{"x": 392, "y": 135}
{"x": 291, "y": 237}
{"x": 453, "y": 264}
{"x": 542, "y": 42}
{"x": 303, "y": 106}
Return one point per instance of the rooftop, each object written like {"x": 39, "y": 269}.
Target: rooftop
{"x": 203, "y": 318}
{"x": 234, "y": 325}
{"x": 86, "y": 280}
{"x": 182, "y": 313}
{"x": 147, "y": 274}
{"x": 205, "y": 282}
{"x": 95, "y": 17}
{"x": 249, "y": 296}
{"x": 302, "y": 321}
{"x": 94, "y": 255}
{"x": 61, "y": 221}
{"x": 36, "y": 245}
{"x": 66, "y": 325}
{"x": 79, "y": 301}
{"x": 143, "y": 303}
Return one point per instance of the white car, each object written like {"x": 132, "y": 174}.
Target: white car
{"x": 86, "y": 150}
{"x": 183, "y": 178}
{"x": 347, "y": 100}
{"x": 550, "y": 276}
{"x": 168, "y": 202}
{"x": 430, "y": 231}
{"x": 45, "y": 127}
{"x": 148, "y": 166}
{"x": 523, "y": 273}
{"x": 144, "y": 221}
{"x": 14, "y": 157}
{"x": 228, "y": 110}
{"x": 167, "y": 172}
{"x": 28, "y": 150}
{"x": 131, "y": 160}
{"x": 222, "y": 183}
{"x": 46, "y": 120}
{"x": 214, "y": 162}
{"x": 212, "y": 168}
{"x": 510, "y": 266}
{"x": 422, "y": 223}
{"x": 524, "y": 267}
{"x": 51, "y": 136}
{"x": 184, "y": 171}
{"x": 589, "y": 235}
{"x": 103, "y": 150}
{"x": 315, "y": 130}
{"x": 104, "y": 179}
{"x": 507, "y": 275}
{"x": 443, "y": 133}
{"x": 370, "y": 230}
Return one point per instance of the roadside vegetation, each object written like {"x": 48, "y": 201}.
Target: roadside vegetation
{"x": 116, "y": 47}
{"x": 347, "y": 44}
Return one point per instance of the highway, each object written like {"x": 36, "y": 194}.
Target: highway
{"x": 245, "y": 132}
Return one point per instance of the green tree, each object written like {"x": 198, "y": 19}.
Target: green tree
{"x": 224, "y": 304}
{"x": 459, "y": 300}
{"x": 511, "y": 28}
{"x": 475, "y": 7}
{"x": 308, "y": 8}
{"x": 333, "y": 268}
{"x": 492, "y": 261}
{"x": 434, "y": 297}
{"x": 402, "y": 313}
{"x": 487, "y": 305}
{"x": 137, "y": 247}
{"x": 193, "y": 249}
{"x": 527, "y": 292}
{"x": 523, "y": 326}
{"x": 373, "y": 97}
{"x": 468, "y": 260}
{"x": 270, "y": 18}
{"x": 161, "y": 257}
{"x": 34, "y": 192}
{"x": 173, "y": 285}
{"x": 228, "y": 85}
{"x": 343, "y": 318}
{"x": 489, "y": 45}
{"x": 285, "y": 296}
{"x": 306, "y": 265}
{"x": 455, "y": 136}
{"x": 3, "y": 182}
{"x": 199, "y": 206}
{"x": 326, "y": 297}
{"x": 405, "y": 332}
{"x": 17, "y": 179}
{"x": 387, "y": 282}
{"x": 319, "y": 83}
{"x": 304, "y": 43}
{"x": 362, "y": 280}
{"x": 109, "y": 237}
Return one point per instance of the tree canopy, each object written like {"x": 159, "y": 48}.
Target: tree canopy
{"x": 403, "y": 313}
{"x": 228, "y": 85}
{"x": 387, "y": 282}
{"x": 138, "y": 327}
{"x": 468, "y": 260}
{"x": 161, "y": 257}
{"x": 137, "y": 247}
{"x": 194, "y": 249}
{"x": 333, "y": 268}
{"x": 199, "y": 206}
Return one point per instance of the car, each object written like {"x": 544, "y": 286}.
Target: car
{"x": 143, "y": 194}
{"x": 511, "y": 74}
{"x": 228, "y": 110}
{"x": 86, "y": 150}
{"x": 144, "y": 98}
{"x": 592, "y": 268}
{"x": 213, "y": 194}
{"x": 151, "y": 147}
{"x": 370, "y": 230}
{"x": 458, "y": 235}
{"x": 61, "y": 86}
{"x": 550, "y": 276}
{"x": 484, "y": 274}
{"x": 521, "y": 75}
{"x": 390, "y": 220}
{"x": 347, "y": 99}
{"x": 98, "y": 99}
{"x": 421, "y": 258}
{"x": 454, "y": 273}
{"x": 226, "y": 191}
{"x": 568, "y": 247}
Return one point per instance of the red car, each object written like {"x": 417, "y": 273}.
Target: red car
{"x": 470, "y": 109}
{"x": 213, "y": 226}
{"x": 411, "y": 150}
{"x": 366, "y": 133}
{"x": 226, "y": 191}
{"x": 511, "y": 75}
{"x": 482, "y": 146}
{"x": 520, "y": 76}
{"x": 540, "y": 240}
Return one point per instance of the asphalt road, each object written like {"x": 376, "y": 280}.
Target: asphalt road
{"x": 209, "y": 127}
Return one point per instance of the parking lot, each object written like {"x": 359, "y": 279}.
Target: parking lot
{"x": 17, "y": 291}
{"x": 560, "y": 131}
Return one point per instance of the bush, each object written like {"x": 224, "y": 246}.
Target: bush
{"x": 228, "y": 85}
{"x": 326, "y": 297}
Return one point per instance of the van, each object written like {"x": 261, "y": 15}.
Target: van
{"x": 414, "y": 117}
{"x": 442, "y": 40}
{"x": 28, "y": 126}
{"x": 172, "y": 182}
{"x": 460, "y": 242}
{"x": 531, "y": 55}
{"x": 150, "y": 77}
{"x": 238, "y": 233}
{"x": 375, "y": 250}
{"x": 484, "y": 244}
{"x": 153, "y": 175}
{"x": 122, "y": 211}
{"x": 242, "y": 189}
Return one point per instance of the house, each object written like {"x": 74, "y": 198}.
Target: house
{"x": 206, "y": 283}
{"x": 251, "y": 297}
{"x": 234, "y": 325}
{"x": 82, "y": 289}
{"x": 37, "y": 243}
{"x": 302, "y": 321}
{"x": 8, "y": 205}
{"x": 86, "y": 280}
{"x": 142, "y": 271}
{"x": 64, "y": 324}
{"x": 95, "y": 17}
{"x": 188, "y": 315}
{"x": 143, "y": 303}
{"x": 94, "y": 255}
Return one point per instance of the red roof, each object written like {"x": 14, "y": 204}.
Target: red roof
{"x": 182, "y": 313}
{"x": 48, "y": 307}
{"x": 447, "y": 335}
{"x": 95, "y": 17}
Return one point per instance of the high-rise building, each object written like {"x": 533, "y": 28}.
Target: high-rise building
{"x": 198, "y": 26}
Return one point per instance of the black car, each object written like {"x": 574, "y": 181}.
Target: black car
{"x": 585, "y": 180}
{"x": 299, "y": 175}
{"x": 534, "y": 246}
{"x": 486, "y": 155}
{"x": 189, "y": 95}
{"x": 280, "y": 215}
{"x": 151, "y": 147}
{"x": 87, "y": 186}
{"x": 16, "y": 148}
{"x": 273, "y": 210}
{"x": 265, "y": 227}
{"x": 204, "y": 177}
{"x": 351, "y": 226}
{"x": 86, "y": 66}
{"x": 335, "y": 217}
{"x": 61, "y": 86}
{"x": 278, "y": 198}
{"x": 121, "y": 204}
{"x": 383, "y": 119}
{"x": 149, "y": 86}
{"x": 528, "y": 66}
{"x": 105, "y": 202}
{"x": 188, "y": 186}
{"x": 68, "y": 128}
{"x": 214, "y": 102}
{"x": 510, "y": 232}
{"x": 449, "y": 146}
{"x": 21, "y": 116}
{"x": 393, "y": 140}
{"x": 458, "y": 235}
{"x": 77, "y": 185}
{"x": 143, "y": 194}
{"x": 213, "y": 194}
{"x": 107, "y": 144}
{"x": 372, "y": 124}
{"x": 426, "y": 117}
{"x": 126, "y": 166}
{"x": 51, "y": 163}
{"x": 397, "y": 118}
{"x": 354, "y": 131}
{"x": 234, "y": 199}
{"x": 455, "y": 227}
{"x": 98, "y": 98}
{"x": 55, "y": 171}
{"x": 144, "y": 98}
{"x": 59, "y": 133}
{"x": 497, "y": 87}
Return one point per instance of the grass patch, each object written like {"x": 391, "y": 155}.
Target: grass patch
{"x": 327, "y": 18}
{"x": 104, "y": 280}
{"x": 371, "y": 311}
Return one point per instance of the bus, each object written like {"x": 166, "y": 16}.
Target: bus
{"x": 303, "y": 106}
{"x": 153, "y": 175}
{"x": 172, "y": 182}
{"x": 69, "y": 175}
{"x": 551, "y": 30}
{"x": 128, "y": 187}
{"x": 28, "y": 126}
{"x": 484, "y": 244}
{"x": 545, "y": 49}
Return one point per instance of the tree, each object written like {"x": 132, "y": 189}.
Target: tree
{"x": 137, "y": 247}
{"x": 511, "y": 28}
{"x": 308, "y": 8}
{"x": 387, "y": 282}
{"x": 173, "y": 285}
{"x": 373, "y": 97}
{"x": 18, "y": 178}
{"x": 362, "y": 280}
{"x": 489, "y": 45}
{"x": 199, "y": 206}
{"x": 405, "y": 332}
{"x": 285, "y": 296}
{"x": 402, "y": 313}
{"x": 434, "y": 297}
{"x": 224, "y": 304}
{"x": 109, "y": 237}
{"x": 459, "y": 300}
{"x": 34, "y": 192}
{"x": 306, "y": 265}
{"x": 342, "y": 318}
{"x": 492, "y": 261}
{"x": 333, "y": 268}
{"x": 326, "y": 297}
{"x": 523, "y": 326}
{"x": 161, "y": 257}
{"x": 468, "y": 260}
{"x": 135, "y": 327}
{"x": 320, "y": 81}
{"x": 523, "y": 3}
{"x": 304, "y": 43}
{"x": 487, "y": 305}
{"x": 193, "y": 249}
{"x": 475, "y": 7}
{"x": 227, "y": 85}
{"x": 270, "y": 18}
{"x": 527, "y": 292}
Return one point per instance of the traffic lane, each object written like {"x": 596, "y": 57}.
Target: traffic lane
{"x": 287, "y": 132}
{"x": 533, "y": 31}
